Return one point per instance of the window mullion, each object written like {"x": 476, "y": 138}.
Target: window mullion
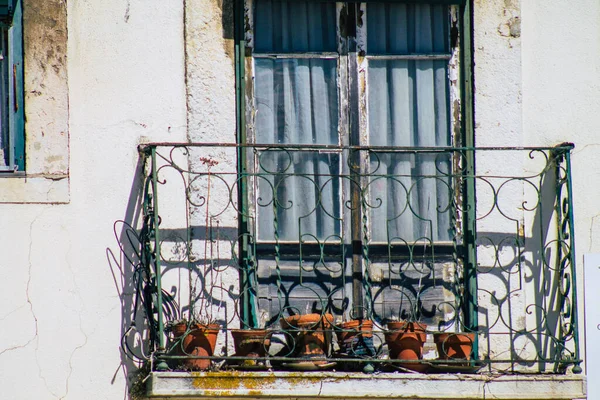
{"x": 356, "y": 160}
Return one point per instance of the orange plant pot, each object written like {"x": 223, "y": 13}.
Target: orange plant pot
{"x": 355, "y": 338}
{"x": 405, "y": 342}
{"x": 311, "y": 333}
{"x": 200, "y": 340}
{"x": 454, "y": 345}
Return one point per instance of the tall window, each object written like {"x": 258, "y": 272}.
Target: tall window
{"x": 348, "y": 89}
{"x": 12, "y": 124}
{"x": 342, "y": 74}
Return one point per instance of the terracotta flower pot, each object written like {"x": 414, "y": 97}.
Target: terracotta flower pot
{"x": 356, "y": 338}
{"x": 311, "y": 334}
{"x": 405, "y": 342}
{"x": 200, "y": 340}
{"x": 252, "y": 343}
{"x": 454, "y": 345}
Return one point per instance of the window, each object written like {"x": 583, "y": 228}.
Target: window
{"x": 12, "y": 124}
{"x": 348, "y": 75}
{"x": 356, "y": 106}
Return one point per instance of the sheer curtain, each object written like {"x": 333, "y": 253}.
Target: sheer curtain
{"x": 410, "y": 195}
{"x": 296, "y": 102}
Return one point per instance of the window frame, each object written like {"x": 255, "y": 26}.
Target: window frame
{"x": 352, "y": 60}
{"x": 462, "y": 132}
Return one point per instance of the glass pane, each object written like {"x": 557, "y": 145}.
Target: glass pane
{"x": 298, "y": 196}
{"x": 294, "y": 26}
{"x": 296, "y": 101}
{"x": 396, "y": 28}
{"x": 408, "y": 103}
{"x": 410, "y": 195}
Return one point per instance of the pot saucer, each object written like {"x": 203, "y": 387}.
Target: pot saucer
{"x": 466, "y": 368}
{"x": 249, "y": 367}
{"x": 308, "y": 366}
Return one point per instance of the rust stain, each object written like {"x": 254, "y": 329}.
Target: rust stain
{"x": 227, "y": 382}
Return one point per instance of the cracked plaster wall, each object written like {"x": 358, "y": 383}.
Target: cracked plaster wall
{"x": 60, "y": 309}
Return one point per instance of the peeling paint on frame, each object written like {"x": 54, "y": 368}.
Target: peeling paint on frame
{"x": 455, "y": 109}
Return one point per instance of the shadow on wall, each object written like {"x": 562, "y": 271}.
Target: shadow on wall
{"x": 227, "y": 19}
{"x": 125, "y": 266}
{"x": 521, "y": 303}
{"x": 136, "y": 287}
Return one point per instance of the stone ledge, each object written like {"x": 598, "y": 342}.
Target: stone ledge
{"x": 303, "y": 385}
{"x": 51, "y": 189}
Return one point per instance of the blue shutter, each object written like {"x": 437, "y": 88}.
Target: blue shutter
{"x": 4, "y": 9}
{"x": 7, "y": 9}
{"x": 16, "y": 116}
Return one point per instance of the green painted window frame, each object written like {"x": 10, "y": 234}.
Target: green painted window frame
{"x": 13, "y": 116}
{"x": 467, "y": 136}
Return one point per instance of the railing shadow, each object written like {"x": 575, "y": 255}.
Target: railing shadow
{"x": 130, "y": 281}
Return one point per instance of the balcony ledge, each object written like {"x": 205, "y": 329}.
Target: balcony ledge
{"x": 327, "y": 385}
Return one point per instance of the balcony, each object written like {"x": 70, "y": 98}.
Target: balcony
{"x": 410, "y": 236}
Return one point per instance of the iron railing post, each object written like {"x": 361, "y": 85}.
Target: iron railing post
{"x": 161, "y": 365}
{"x": 567, "y": 267}
{"x": 470, "y": 216}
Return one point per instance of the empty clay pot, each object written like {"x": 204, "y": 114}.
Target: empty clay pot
{"x": 198, "y": 340}
{"x": 311, "y": 333}
{"x": 405, "y": 342}
{"x": 454, "y": 345}
{"x": 251, "y": 342}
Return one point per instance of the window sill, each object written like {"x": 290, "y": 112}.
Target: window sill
{"x": 280, "y": 385}
{"x": 45, "y": 189}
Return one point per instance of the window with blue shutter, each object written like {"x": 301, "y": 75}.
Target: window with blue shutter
{"x": 12, "y": 122}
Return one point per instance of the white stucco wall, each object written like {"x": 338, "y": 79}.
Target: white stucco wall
{"x": 61, "y": 303}
{"x": 62, "y": 298}
{"x": 561, "y": 99}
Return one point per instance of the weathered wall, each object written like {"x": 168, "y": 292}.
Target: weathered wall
{"x": 210, "y": 77}
{"x": 46, "y": 88}
{"x": 498, "y": 103}
{"x": 62, "y": 300}
{"x": 210, "y": 71}
{"x": 561, "y": 99}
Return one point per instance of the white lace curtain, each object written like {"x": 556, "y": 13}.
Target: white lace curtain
{"x": 296, "y": 102}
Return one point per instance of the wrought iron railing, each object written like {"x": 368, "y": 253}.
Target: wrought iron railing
{"x": 279, "y": 248}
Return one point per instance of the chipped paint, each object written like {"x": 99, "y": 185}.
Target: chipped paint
{"x": 511, "y": 28}
{"x": 249, "y": 24}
